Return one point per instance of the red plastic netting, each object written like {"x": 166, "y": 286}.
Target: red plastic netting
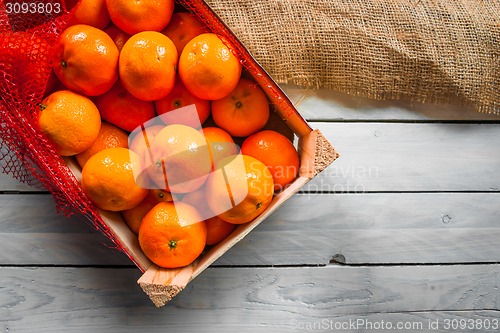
{"x": 25, "y": 66}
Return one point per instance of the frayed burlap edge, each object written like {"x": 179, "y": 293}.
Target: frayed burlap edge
{"x": 429, "y": 51}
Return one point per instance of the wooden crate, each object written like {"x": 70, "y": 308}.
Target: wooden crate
{"x": 162, "y": 284}
{"x": 316, "y": 153}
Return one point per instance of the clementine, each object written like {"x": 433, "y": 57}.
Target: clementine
{"x": 108, "y": 179}
{"x": 182, "y": 28}
{"x": 118, "y": 36}
{"x": 217, "y": 229}
{"x": 140, "y": 141}
{"x": 136, "y": 16}
{"x": 172, "y": 235}
{"x": 162, "y": 195}
{"x": 180, "y": 97}
{"x": 109, "y": 136}
{"x": 70, "y": 121}
{"x": 244, "y": 111}
{"x": 276, "y": 152}
{"x": 86, "y": 60}
{"x": 91, "y": 12}
{"x": 52, "y": 84}
{"x": 220, "y": 144}
{"x": 180, "y": 159}
{"x": 118, "y": 107}
{"x": 208, "y": 68}
{"x": 240, "y": 189}
{"x": 147, "y": 65}
{"x": 133, "y": 217}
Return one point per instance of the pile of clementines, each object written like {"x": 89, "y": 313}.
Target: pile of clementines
{"x": 166, "y": 126}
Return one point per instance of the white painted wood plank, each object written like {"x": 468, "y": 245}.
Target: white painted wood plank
{"x": 376, "y": 228}
{"x": 325, "y": 104}
{"x": 411, "y": 157}
{"x": 308, "y": 229}
{"x": 404, "y": 157}
{"x": 33, "y": 233}
{"x": 245, "y": 299}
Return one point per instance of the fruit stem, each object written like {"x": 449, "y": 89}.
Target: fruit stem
{"x": 172, "y": 244}
{"x": 64, "y": 64}
{"x": 42, "y": 106}
{"x": 239, "y": 105}
{"x": 259, "y": 205}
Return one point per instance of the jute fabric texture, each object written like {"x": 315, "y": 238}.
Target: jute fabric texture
{"x": 436, "y": 51}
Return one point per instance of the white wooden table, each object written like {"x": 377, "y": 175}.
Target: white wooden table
{"x": 402, "y": 231}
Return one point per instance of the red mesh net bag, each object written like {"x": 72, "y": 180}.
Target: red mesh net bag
{"x": 25, "y": 65}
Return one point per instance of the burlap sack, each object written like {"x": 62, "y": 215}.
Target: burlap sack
{"x": 437, "y": 51}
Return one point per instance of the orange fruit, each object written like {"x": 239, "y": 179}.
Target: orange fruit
{"x": 109, "y": 136}
{"x": 172, "y": 235}
{"x": 181, "y": 161}
{"x": 118, "y": 107}
{"x": 220, "y": 144}
{"x": 240, "y": 189}
{"x": 136, "y": 16}
{"x": 182, "y": 28}
{"x": 208, "y": 68}
{"x": 91, "y": 12}
{"x": 180, "y": 97}
{"x": 147, "y": 65}
{"x": 244, "y": 111}
{"x": 142, "y": 139}
{"x": 108, "y": 179}
{"x": 217, "y": 229}
{"x": 133, "y": 217}
{"x": 161, "y": 195}
{"x": 276, "y": 152}
{"x": 52, "y": 84}
{"x": 86, "y": 60}
{"x": 197, "y": 199}
{"x": 140, "y": 142}
{"x": 70, "y": 121}
{"x": 118, "y": 36}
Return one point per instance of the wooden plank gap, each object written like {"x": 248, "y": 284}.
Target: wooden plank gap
{"x": 9, "y": 192}
{"x": 403, "y": 121}
{"x": 340, "y": 260}
{"x": 104, "y": 266}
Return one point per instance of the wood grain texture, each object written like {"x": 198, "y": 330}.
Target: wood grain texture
{"x": 411, "y": 157}
{"x": 376, "y": 228}
{"x": 324, "y": 104}
{"x": 306, "y": 230}
{"x": 244, "y": 299}
{"x": 278, "y": 279}
{"x": 404, "y": 157}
